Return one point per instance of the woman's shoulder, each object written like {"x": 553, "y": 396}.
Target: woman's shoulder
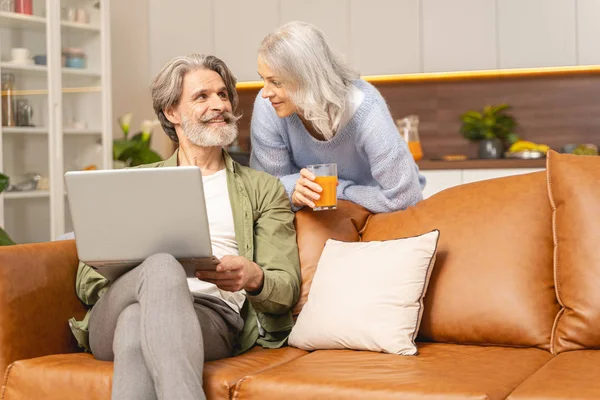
{"x": 370, "y": 92}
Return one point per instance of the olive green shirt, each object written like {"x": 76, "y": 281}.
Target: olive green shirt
{"x": 265, "y": 234}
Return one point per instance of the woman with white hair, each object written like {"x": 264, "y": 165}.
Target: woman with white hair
{"x": 314, "y": 109}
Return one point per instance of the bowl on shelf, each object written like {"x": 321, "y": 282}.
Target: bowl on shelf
{"x": 40, "y": 59}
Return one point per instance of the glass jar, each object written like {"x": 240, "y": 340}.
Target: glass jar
{"x": 7, "y": 5}
{"x": 409, "y": 129}
{"x": 74, "y": 58}
{"x": 8, "y": 99}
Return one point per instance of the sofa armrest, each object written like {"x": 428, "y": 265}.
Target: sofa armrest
{"x": 37, "y": 297}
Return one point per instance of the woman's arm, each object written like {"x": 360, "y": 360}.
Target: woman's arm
{"x": 399, "y": 184}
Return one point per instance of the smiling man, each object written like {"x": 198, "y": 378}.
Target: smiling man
{"x": 159, "y": 335}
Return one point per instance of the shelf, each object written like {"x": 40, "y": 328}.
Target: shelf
{"x": 25, "y": 68}
{"x": 83, "y": 132}
{"x": 25, "y": 130}
{"x": 44, "y": 131}
{"x": 81, "y": 72}
{"x": 16, "y": 20}
{"x": 34, "y": 194}
{"x": 44, "y": 69}
{"x": 77, "y": 27}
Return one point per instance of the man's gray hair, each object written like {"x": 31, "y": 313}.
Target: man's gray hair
{"x": 167, "y": 87}
{"x": 316, "y": 79}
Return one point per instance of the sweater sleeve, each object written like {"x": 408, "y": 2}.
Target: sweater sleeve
{"x": 399, "y": 184}
{"x": 269, "y": 151}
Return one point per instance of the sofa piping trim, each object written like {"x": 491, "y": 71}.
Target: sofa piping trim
{"x": 555, "y": 256}
{"x": 360, "y": 233}
{"x": 5, "y": 383}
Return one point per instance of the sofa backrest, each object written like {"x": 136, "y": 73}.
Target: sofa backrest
{"x": 314, "y": 228}
{"x": 574, "y": 191}
{"x": 492, "y": 282}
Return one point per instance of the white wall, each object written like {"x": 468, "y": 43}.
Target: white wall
{"x": 131, "y": 73}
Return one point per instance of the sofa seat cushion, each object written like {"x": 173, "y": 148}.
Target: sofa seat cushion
{"x": 75, "y": 376}
{"x": 571, "y": 375}
{"x": 440, "y": 371}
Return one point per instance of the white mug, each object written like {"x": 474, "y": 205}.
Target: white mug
{"x": 20, "y": 54}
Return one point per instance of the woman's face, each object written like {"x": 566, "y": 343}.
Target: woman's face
{"x": 274, "y": 91}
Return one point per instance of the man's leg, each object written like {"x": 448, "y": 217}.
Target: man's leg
{"x": 170, "y": 335}
{"x": 131, "y": 379}
{"x": 220, "y": 326}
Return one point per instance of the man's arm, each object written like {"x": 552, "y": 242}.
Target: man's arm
{"x": 272, "y": 280}
{"x": 276, "y": 252}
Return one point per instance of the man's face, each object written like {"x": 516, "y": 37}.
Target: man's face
{"x": 204, "y": 110}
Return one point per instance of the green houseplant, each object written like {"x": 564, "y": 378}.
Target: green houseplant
{"x": 134, "y": 150}
{"x": 5, "y": 240}
{"x": 493, "y": 127}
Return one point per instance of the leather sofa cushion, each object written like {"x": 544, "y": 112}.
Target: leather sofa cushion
{"x": 78, "y": 376}
{"x": 440, "y": 371}
{"x": 314, "y": 228}
{"x": 492, "y": 282}
{"x": 574, "y": 190}
{"x": 571, "y": 375}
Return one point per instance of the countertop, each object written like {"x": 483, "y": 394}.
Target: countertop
{"x": 481, "y": 164}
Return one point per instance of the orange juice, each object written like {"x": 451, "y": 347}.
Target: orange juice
{"x": 415, "y": 149}
{"x": 328, "y": 197}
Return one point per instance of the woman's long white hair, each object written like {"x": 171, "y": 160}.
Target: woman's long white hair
{"x": 316, "y": 80}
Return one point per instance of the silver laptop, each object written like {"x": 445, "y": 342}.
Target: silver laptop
{"x": 121, "y": 217}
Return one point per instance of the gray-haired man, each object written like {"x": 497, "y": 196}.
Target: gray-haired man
{"x": 146, "y": 321}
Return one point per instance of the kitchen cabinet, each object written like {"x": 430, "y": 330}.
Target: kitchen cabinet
{"x": 385, "y": 42}
{"x": 331, "y": 16}
{"x": 588, "y": 32}
{"x": 537, "y": 33}
{"x": 459, "y": 35}
{"x": 438, "y": 180}
{"x": 239, "y": 28}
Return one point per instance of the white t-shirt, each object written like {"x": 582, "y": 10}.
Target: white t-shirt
{"x": 222, "y": 234}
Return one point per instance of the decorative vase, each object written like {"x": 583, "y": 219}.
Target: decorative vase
{"x": 491, "y": 148}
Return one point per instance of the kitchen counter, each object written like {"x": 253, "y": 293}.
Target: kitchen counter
{"x": 481, "y": 164}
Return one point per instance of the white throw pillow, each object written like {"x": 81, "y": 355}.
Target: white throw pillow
{"x": 367, "y": 296}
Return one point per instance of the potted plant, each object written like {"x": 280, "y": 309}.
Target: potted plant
{"x": 5, "y": 240}
{"x": 492, "y": 127}
{"x": 130, "y": 152}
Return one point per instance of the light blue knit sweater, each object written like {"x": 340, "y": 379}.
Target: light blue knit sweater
{"x": 375, "y": 167}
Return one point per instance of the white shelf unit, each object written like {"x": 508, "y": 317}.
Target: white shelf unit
{"x": 71, "y": 112}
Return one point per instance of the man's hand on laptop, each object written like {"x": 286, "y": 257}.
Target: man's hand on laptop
{"x": 235, "y": 273}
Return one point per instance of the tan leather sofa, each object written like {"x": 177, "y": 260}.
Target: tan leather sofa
{"x": 512, "y": 310}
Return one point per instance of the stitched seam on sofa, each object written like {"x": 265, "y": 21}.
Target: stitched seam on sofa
{"x": 5, "y": 385}
{"x": 360, "y": 233}
{"x": 236, "y": 389}
{"x": 555, "y": 256}
{"x": 424, "y": 290}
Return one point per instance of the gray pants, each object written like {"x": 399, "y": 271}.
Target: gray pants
{"x": 158, "y": 334}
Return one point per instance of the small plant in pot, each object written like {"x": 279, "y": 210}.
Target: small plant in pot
{"x": 492, "y": 128}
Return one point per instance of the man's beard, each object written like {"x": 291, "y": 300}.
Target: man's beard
{"x": 202, "y": 134}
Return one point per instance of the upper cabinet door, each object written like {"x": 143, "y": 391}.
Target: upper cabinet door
{"x": 385, "y": 42}
{"x": 588, "y": 34}
{"x": 536, "y": 33}
{"x": 331, "y": 16}
{"x": 459, "y": 35}
{"x": 240, "y": 27}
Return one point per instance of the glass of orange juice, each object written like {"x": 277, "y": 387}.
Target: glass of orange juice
{"x": 326, "y": 177}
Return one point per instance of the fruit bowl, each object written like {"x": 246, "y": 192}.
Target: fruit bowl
{"x": 525, "y": 154}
